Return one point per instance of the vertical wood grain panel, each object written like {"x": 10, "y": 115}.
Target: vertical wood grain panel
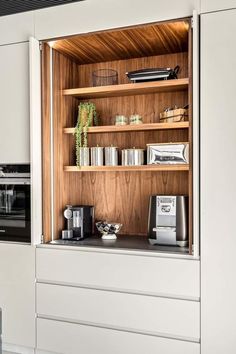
{"x": 65, "y": 73}
{"x": 119, "y": 196}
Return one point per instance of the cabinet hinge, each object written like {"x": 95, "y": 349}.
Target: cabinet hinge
{"x": 42, "y": 239}
{"x": 40, "y": 46}
{"x": 192, "y": 22}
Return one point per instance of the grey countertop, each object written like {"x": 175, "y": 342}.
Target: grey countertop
{"x": 123, "y": 242}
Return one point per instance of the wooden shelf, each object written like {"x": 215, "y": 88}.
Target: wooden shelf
{"x": 128, "y": 89}
{"x": 144, "y": 168}
{"x": 132, "y": 128}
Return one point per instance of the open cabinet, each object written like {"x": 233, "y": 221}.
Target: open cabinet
{"x": 119, "y": 193}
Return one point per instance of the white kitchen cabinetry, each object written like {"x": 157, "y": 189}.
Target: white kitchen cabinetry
{"x": 93, "y": 15}
{"x": 16, "y": 28}
{"x": 216, "y": 5}
{"x": 17, "y": 294}
{"x": 175, "y": 278}
{"x": 70, "y": 338}
{"x": 121, "y": 300}
{"x": 147, "y": 314}
{"x": 218, "y": 176}
{"x": 14, "y": 104}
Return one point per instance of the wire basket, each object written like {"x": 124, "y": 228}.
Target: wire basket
{"x": 105, "y": 77}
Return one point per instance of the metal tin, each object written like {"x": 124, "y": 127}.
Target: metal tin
{"x": 84, "y": 159}
{"x": 111, "y": 156}
{"x": 121, "y": 120}
{"x": 67, "y": 234}
{"x": 97, "y": 156}
{"x": 135, "y": 119}
{"x": 171, "y": 153}
{"x": 132, "y": 157}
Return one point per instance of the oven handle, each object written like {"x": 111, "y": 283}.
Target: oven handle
{"x": 15, "y": 181}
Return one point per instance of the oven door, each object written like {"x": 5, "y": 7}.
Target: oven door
{"x": 15, "y": 225}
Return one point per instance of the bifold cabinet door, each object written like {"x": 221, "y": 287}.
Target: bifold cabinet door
{"x": 14, "y": 104}
{"x": 70, "y": 338}
{"x": 218, "y": 177}
{"x": 35, "y": 140}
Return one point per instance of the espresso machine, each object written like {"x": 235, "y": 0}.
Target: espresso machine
{"x": 79, "y": 222}
{"x": 168, "y": 220}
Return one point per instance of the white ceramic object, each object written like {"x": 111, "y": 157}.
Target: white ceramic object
{"x": 109, "y": 237}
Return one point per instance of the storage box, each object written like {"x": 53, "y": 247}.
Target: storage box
{"x": 174, "y": 115}
{"x": 171, "y": 153}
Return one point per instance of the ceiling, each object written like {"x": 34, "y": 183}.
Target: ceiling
{"x": 9, "y": 7}
{"x": 140, "y": 41}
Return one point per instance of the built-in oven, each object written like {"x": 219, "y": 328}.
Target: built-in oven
{"x": 15, "y": 214}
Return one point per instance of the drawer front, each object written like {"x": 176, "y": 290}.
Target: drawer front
{"x": 131, "y": 273}
{"x": 147, "y": 314}
{"x": 69, "y": 338}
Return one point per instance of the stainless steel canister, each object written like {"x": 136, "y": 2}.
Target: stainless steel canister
{"x": 97, "y": 156}
{"x": 84, "y": 156}
{"x": 111, "y": 156}
{"x": 132, "y": 157}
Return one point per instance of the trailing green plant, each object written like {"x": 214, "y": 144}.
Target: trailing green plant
{"x": 87, "y": 116}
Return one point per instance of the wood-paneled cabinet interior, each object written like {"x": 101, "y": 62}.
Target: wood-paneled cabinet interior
{"x": 14, "y": 104}
{"x": 117, "y": 195}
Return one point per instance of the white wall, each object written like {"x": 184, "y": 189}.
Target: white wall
{"x": 95, "y": 15}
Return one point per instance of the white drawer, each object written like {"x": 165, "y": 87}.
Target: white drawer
{"x": 69, "y": 338}
{"x": 131, "y": 273}
{"x": 147, "y": 314}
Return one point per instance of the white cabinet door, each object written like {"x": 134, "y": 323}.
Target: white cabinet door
{"x": 216, "y": 5}
{"x": 16, "y": 28}
{"x": 14, "y": 104}
{"x": 68, "y": 338}
{"x": 93, "y": 15}
{"x": 218, "y": 176}
{"x": 17, "y": 294}
{"x": 35, "y": 140}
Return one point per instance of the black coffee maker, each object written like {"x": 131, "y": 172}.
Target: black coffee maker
{"x": 79, "y": 222}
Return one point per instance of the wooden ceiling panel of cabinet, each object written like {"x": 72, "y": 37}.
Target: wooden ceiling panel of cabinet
{"x": 141, "y": 41}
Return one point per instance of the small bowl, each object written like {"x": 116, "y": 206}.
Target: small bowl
{"x": 108, "y": 229}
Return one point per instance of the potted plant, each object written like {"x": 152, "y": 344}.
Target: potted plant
{"x": 87, "y": 117}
